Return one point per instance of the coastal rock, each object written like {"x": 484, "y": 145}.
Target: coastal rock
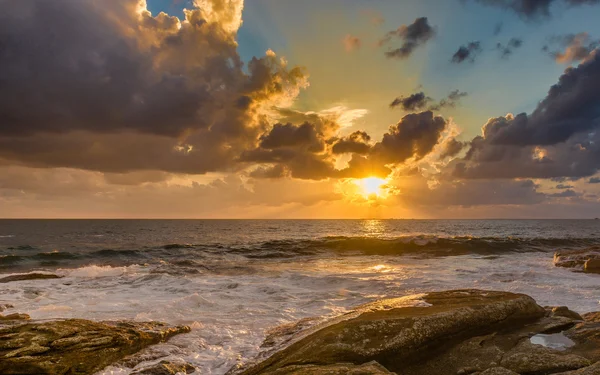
{"x": 371, "y": 368}
{"x": 74, "y": 346}
{"x": 576, "y": 259}
{"x": 167, "y": 368}
{"x": 527, "y": 358}
{"x": 592, "y": 266}
{"x": 586, "y": 335}
{"x": 496, "y": 371}
{"x": 29, "y": 276}
{"x": 455, "y": 332}
{"x": 403, "y": 332}
{"x": 565, "y": 312}
{"x": 591, "y": 370}
{"x": 15, "y": 316}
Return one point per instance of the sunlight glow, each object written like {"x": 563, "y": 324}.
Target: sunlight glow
{"x": 371, "y": 186}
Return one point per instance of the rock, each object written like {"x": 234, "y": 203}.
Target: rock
{"x": 167, "y": 368}
{"x": 5, "y": 307}
{"x": 576, "y": 258}
{"x": 74, "y": 346}
{"x": 592, "y": 266}
{"x": 15, "y": 317}
{"x": 29, "y": 276}
{"x": 591, "y": 370}
{"x": 565, "y": 312}
{"x": 496, "y": 371}
{"x": 586, "y": 335}
{"x": 527, "y": 358}
{"x": 371, "y": 368}
{"x": 402, "y": 334}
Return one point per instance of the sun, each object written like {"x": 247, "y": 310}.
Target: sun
{"x": 371, "y": 186}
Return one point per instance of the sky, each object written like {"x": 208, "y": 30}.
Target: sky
{"x": 299, "y": 109}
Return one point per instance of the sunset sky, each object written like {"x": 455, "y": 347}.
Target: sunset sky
{"x": 299, "y": 109}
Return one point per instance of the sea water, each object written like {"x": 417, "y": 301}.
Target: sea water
{"x": 232, "y": 281}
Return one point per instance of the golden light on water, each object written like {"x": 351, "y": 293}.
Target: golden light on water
{"x": 371, "y": 186}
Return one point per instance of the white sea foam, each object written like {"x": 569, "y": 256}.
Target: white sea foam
{"x": 231, "y": 312}
{"x": 99, "y": 271}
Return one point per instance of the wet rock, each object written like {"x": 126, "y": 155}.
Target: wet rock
{"x": 496, "y": 371}
{"x": 401, "y": 335}
{"x": 15, "y": 317}
{"x": 527, "y": 358}
{"x": 565, "y": 312}
{"x": 167, "y": 368}
{"x": 591, "y": 370}
{"x": 592, "y": 266}
{"x": 29, "y": 276}
{"x": 74, "y": 346}
{"x": 371, "y": 368}
{"x": 586, "y": 335}
{"x": 576, "y": 259}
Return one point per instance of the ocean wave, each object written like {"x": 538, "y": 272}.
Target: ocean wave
{"x": 411, "y": 245}
{"x": 200, "y": 258}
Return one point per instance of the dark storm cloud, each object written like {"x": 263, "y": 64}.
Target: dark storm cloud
{"x": 412, "y": 102}
{"x": 414, "y": 136}
{"x": 534, "y": 9}
{"x": 467, "y": 52}
{"x": 560, "y": 138}
{"x": 507, "y": 49}
{"x": 571, "y": 47}
{"x": 594, "y": 180}
{"x": 289, "y": 135}
{"x": 565, "y": 194}
{"x": 572, "y": 106}
{"x": 356, "y": 143}
{"x": 88, "y": 85}
{"x": 412, "y": 36}
{"x": 452, "y": 148}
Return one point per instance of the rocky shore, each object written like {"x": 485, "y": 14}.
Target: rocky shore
{"x": 452, "y": 332}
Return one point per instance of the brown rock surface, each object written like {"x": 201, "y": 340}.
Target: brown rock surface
{"x": 576, "y": 259}
{"x": 460, "y": 332}
{"x": 74, "y": 346}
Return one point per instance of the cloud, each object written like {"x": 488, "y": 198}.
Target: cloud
{"x": 498, "y": 28}
{"x": 412, "y": 102}
{"x": 534, "y": 9}
{"x": 419, "y": 101}
{"x": 507, "y": 49}
{"x": 357, "y": 143}
{"x": 562, "y": 186}
{"x": 351, "y": 43}
{"x": 123, "y": 82}
{"x": 576, "y": 47}
{"x": 450, "y": 101}
{"x": 569, "y": 193}
{"x": 467, "y": 52}
{"x": 452, "y": 148}
{"x": 414, "y": 136}
{"x": 412, "y": 36}
{"x": 559, "y": 138}
{"x": 594, "y": 180}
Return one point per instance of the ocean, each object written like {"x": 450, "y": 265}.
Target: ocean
{"x": 233, "y": 281}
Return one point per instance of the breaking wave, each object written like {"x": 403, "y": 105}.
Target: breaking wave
{"x": 199, "y": 256}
